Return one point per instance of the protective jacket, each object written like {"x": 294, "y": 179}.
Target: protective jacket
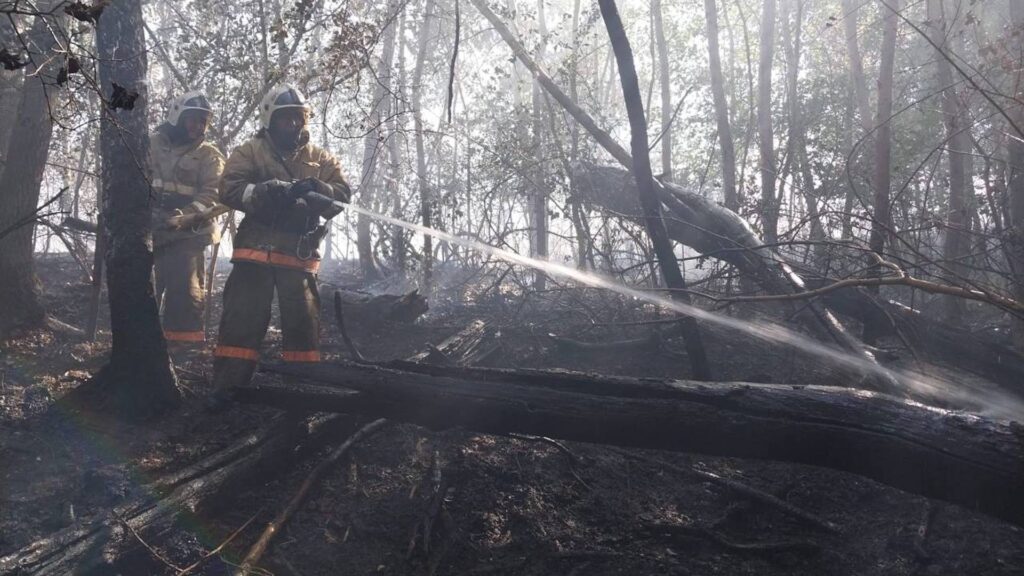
{"x": 184, "y": 178}
{"x": 269, "y": 234}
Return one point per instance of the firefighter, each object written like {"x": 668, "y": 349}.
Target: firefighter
{"x": 185, "y": 171}
{"x": 273, "y": 179}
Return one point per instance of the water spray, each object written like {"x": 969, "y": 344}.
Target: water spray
{"x": 994, "y": 403}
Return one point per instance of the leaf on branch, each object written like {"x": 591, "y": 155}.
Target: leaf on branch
{"x": 84, "y": 13}
{"x": 11, "y": 60}
{"x": 122, "y": 98}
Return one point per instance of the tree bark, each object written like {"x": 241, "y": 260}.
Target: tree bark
{"x": 730, "y": 196}
{"x": 665, "y": 79}
{"x": 881, "y": 221}
{"x": 645, "y": 185}
{"x": 425, "y": 194}
{"x": 966, "y": 460}
{"x": 857, "y": 76}
{"x": 1015, "y": 185}
{"x": 27, "y": 148}
{"x": 139, "y": 380}
{"x": 861, "y": 107}
{"x": 766, "y": 138}
{"x": 539, "y": 204}
{"x": 956, "y": 242}
{"x": 371, "y": 150}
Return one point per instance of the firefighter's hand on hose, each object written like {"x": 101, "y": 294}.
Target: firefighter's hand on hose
{"x": 268, "y": 194}
{"x": 339, "y": 193}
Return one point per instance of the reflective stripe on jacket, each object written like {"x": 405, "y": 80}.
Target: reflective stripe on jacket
{"x": 180, "y": 176}
{"x": 276, "y": 235}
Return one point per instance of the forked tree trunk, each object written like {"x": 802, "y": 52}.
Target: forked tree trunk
{"x": 645, "y": 185}
{"x": 27, "y": 147}
{"x": 139, "y": 380}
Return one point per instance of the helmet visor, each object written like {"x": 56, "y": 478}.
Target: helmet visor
{"x": 289, "y": 98}
{"x": 199, "y": 102}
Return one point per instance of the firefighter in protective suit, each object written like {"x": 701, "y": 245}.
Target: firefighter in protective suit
{"x": 185, "y": 172}
{"x": 276, "y": 246}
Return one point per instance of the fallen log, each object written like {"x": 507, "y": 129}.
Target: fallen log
{"x": 963, "y": 459}
{"x": 938, "y": 340}
{"x": 368, "y": 313}
{"x": 717, "y": 232}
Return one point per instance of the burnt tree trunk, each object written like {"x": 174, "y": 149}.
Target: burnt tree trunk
{"x": 27, "y": 147}
{"x": 962, "y": 459}
{"x": 139, "y": 380}
{"x": 645, "y": 185}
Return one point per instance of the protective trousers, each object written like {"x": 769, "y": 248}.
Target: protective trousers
{"x": 248, "y": 295}
{"x": 179, "y": 268}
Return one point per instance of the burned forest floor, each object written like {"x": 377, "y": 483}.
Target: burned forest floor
{"x": 408, "y": 500}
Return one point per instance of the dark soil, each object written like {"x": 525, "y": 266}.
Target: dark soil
{"x": 511, "y": 506}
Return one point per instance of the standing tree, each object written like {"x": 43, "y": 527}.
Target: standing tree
{"x": 426, "y": 197}
{"x": 958, "y": 133}
{"x": 1015, "y": 161}
{"x": 27, "y": 148}
{"x": 666, "y": 91}
{"x": 139, "y": 380}
{"x": 881, "y": 222}
{"x": 645, "y": 184}
{"x": 372, "y": 148}
{"x": 730, "y": 196}
{"x": 766, "y": 139}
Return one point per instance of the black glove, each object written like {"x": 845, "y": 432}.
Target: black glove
{"x": 272, "y": 194}
{"x": 303, "y": 186}
{"x": 339, "y": 193}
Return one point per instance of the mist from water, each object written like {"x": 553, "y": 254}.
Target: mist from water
{"x": 984, "y": 400}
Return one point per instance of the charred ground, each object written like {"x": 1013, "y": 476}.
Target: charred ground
{"x": 495, "y": 505}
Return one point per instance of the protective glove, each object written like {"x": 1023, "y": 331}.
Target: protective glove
{"x": 339, "y": 193}
{"x": 271, "y": 194}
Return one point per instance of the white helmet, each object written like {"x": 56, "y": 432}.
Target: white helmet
{"x": 282, "y": 96}
{"x": 194, "y": 100}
